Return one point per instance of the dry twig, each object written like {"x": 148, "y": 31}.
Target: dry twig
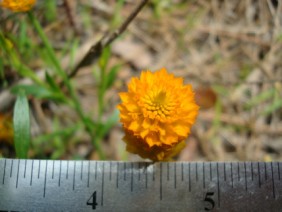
{"x": 96, "y": 50}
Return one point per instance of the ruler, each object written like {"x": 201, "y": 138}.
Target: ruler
{"x": 56, "y": 185}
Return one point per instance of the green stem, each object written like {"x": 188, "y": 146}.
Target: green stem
{"x": 101, "y": 94}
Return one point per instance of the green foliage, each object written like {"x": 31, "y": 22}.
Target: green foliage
{"x": 261, "y": 98}
{"x": 21, "y": 123}
{"x": 117, "y": 18}
{"x": 56, "y": 86}
{"x": 14, "y": 61}
{"x": 272, "y": 96}
{"x": 106, "y": 78}
{"x": 160, "y": 6}
{"x": 50, "y": 7}
{"x": 2, "y": 76}
{"x": 56, "y": 140}
{"x": 111, "y": 76}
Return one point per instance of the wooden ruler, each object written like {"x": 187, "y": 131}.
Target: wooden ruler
{"x": 55, "y": 185}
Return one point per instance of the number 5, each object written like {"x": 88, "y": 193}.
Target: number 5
{"x": 209, "y": 200}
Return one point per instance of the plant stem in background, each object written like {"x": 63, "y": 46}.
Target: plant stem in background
{"x": 75, "y": 101}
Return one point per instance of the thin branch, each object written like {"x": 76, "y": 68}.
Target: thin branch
{"x": 69, "y": 8}
{"x": 96, "y": 50}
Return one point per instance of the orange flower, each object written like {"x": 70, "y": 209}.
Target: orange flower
{"x": 157, "y": 113}
{"x": 18, "y": 5}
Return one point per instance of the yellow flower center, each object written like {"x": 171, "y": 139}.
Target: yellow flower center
{"x": 157, "y": 105}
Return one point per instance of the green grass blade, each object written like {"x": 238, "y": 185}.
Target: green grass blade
{"x": 111, "y": 77}
{"x": 266, "y": 95}
{"x": 21, "y": 122}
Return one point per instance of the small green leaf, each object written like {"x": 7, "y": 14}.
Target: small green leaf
{"x": 21, "y": 123}
{"x": 104, "y": 59}
{"x": 37, "y": 91}
{"x": 261, "y": 97}
{"x": 110, "y": 78}
{"x": 51, "y": 82}
{"x": 276, "y": 105}
{"x": 34, "y": 90}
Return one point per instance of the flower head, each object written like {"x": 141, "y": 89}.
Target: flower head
{"x": 157, "y": 113}
{"x": 17, "y": 5}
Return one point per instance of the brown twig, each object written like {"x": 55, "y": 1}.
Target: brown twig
{"x": 96, "y": 50}
{"x": 71, "y": 15}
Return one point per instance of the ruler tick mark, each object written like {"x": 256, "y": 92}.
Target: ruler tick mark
{"x": 210, "y": 171}
{"x": 189, "y": 167}
{"x": 59, "y": 183}
{"x": 53, "y": 169}
{"x": 45, "y": 178}
{"x": 124, "y": 171}
{"x": 167, "y": 168}
{"x": 265, "y": 171}
{"x": 88, "y": 174}
{"x": 39, "y": 169}
{"x": 117, "y": 174}
{"x": 131, "y": 183}
{"x": 161, "y": 189}
{"x": 273, "y": 185}
{"x": 218, "y": 189}
{"x": 153, "y": 172}
{"x": 25, "y": 167}
{"x": 259, "y": 175}
{"x": 182, "y": 172}
{"x": 231, "y": 164}
{"x": 67, "y": 175}
{"x": 238, "y": 171}
{"x": 18, "y": 173}
{"x": 95, "y": 170}
{"x": 196, "y": 171}
{"x": 204, "y": 183}
{"x": 139, "y": 171}
{"x": 3, "y": 180}
{"x": 224, "y": 171}
{"x": 11, "y": 171}
{"x": 175, "y": 176}
{"x": 102, "y": 192}
{"x": 245, "y": 168}
{"x": 278, "y": 166}
{"x": 252, "y": 171}
{"x": 110, "y": 171}
{"x": 73, "y": 181}
{"x": 81, "y": 170}
{"x": 31, "y": 174}
{"x": 146, "y": 176}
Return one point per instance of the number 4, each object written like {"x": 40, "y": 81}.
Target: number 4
{"x": 92, "y": 201}
{"x": 208, "y": 198}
